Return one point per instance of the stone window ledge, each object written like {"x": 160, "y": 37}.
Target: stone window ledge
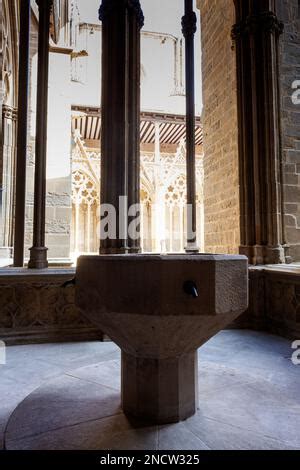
{"x": 68, "y": 272}
{"x": 288, "y": 269}
{"x": 25, "y": 273}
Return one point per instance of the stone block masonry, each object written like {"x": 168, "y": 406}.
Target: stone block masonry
{"x": 221, "y": 185}
{"x": 289, "y": 13}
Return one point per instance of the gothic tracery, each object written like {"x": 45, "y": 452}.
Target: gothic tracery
{"x": 163, "y": 198}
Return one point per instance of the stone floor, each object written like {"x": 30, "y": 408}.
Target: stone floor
{"x": 66, "y": 396}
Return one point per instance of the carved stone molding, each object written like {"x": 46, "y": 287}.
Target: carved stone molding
{"x": 108, "y": 6}
{"x": 38, "y": 305}
{"x": 44, "y": 3}
{"x": 9, "y": 112}
{"x": 55, "y": 24}
{"x": 257, "y": 44}
{"x": 266, "y": 22}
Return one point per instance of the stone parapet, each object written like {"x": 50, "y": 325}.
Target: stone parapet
{"x": 274, "y": 301}
{"x": 36, "y": 308}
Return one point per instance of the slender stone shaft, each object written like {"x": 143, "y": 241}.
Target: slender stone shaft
{"x": 120, "y": 109}
{"x": 38, "y": 253}
{"x": 189, "y": 27}
{"x": 23, "y": 92}
{"x": 134, "y": 61}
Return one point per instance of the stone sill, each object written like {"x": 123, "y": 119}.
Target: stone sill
{"x": 69, "y": 272}
{"x": 288, "y": 270}
{"x": 22, "y": 273}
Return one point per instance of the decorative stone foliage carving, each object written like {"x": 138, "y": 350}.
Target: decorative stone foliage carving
{"x": 266, "y": 22}
{"x": 38, "y": 305}
{"x": 274, "y": 302}
{"x": 35, "y": 304}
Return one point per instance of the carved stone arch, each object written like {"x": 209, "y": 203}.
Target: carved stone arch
{"x": 147, "y": 187}
{"x": 85, "y": 205}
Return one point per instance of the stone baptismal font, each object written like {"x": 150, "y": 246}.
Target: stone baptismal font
{"x": 159, "y": 309}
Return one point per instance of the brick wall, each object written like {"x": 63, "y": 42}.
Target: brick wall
{"x": 221, "y": 187}
{"x": 288, "y": 12}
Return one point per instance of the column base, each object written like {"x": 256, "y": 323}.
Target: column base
{"x": 192, "y": 249}
{"x": 113, "y": 251}
{"x": 160, "y": 391}
{"x": 38, "y": 258}
{"x": 134, "y": 251}
{"x": 263, "y": 254}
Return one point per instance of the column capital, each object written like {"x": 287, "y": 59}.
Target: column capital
{"x": 108, "y": 6}
{"x": 10, "y": 112}
{"x": 44, "y": 3}
{"x": 189, "y": 24}
{"x": 265, "y": 21}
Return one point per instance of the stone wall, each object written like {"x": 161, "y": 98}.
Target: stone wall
{"x": 221, "y": 187}
{"x": 289, "y": 13}
{"x": 35, "y": 308}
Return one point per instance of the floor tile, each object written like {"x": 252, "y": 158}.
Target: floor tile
{"x": 178, "y": 436}
{"x": 256, "y": 407}
{"x": 221, "y": 436}
{"x": 105, "y": 373}
{"x": 113, "y": 433}
{"x": 67, "y": 396}
{"x": 63, "y": 402}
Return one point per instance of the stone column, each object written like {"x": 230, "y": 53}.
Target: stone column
{"x": 38, "y": 252}
{"x": 9, "y": 126}
{"x": 159, "y": 219}
{"x": 121, "y": 23}
{"x": 23, "y": 92}
{"x": 256, "y": 36}
{"x": 189, "y": 28}
{"x": 134, "y": 92}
